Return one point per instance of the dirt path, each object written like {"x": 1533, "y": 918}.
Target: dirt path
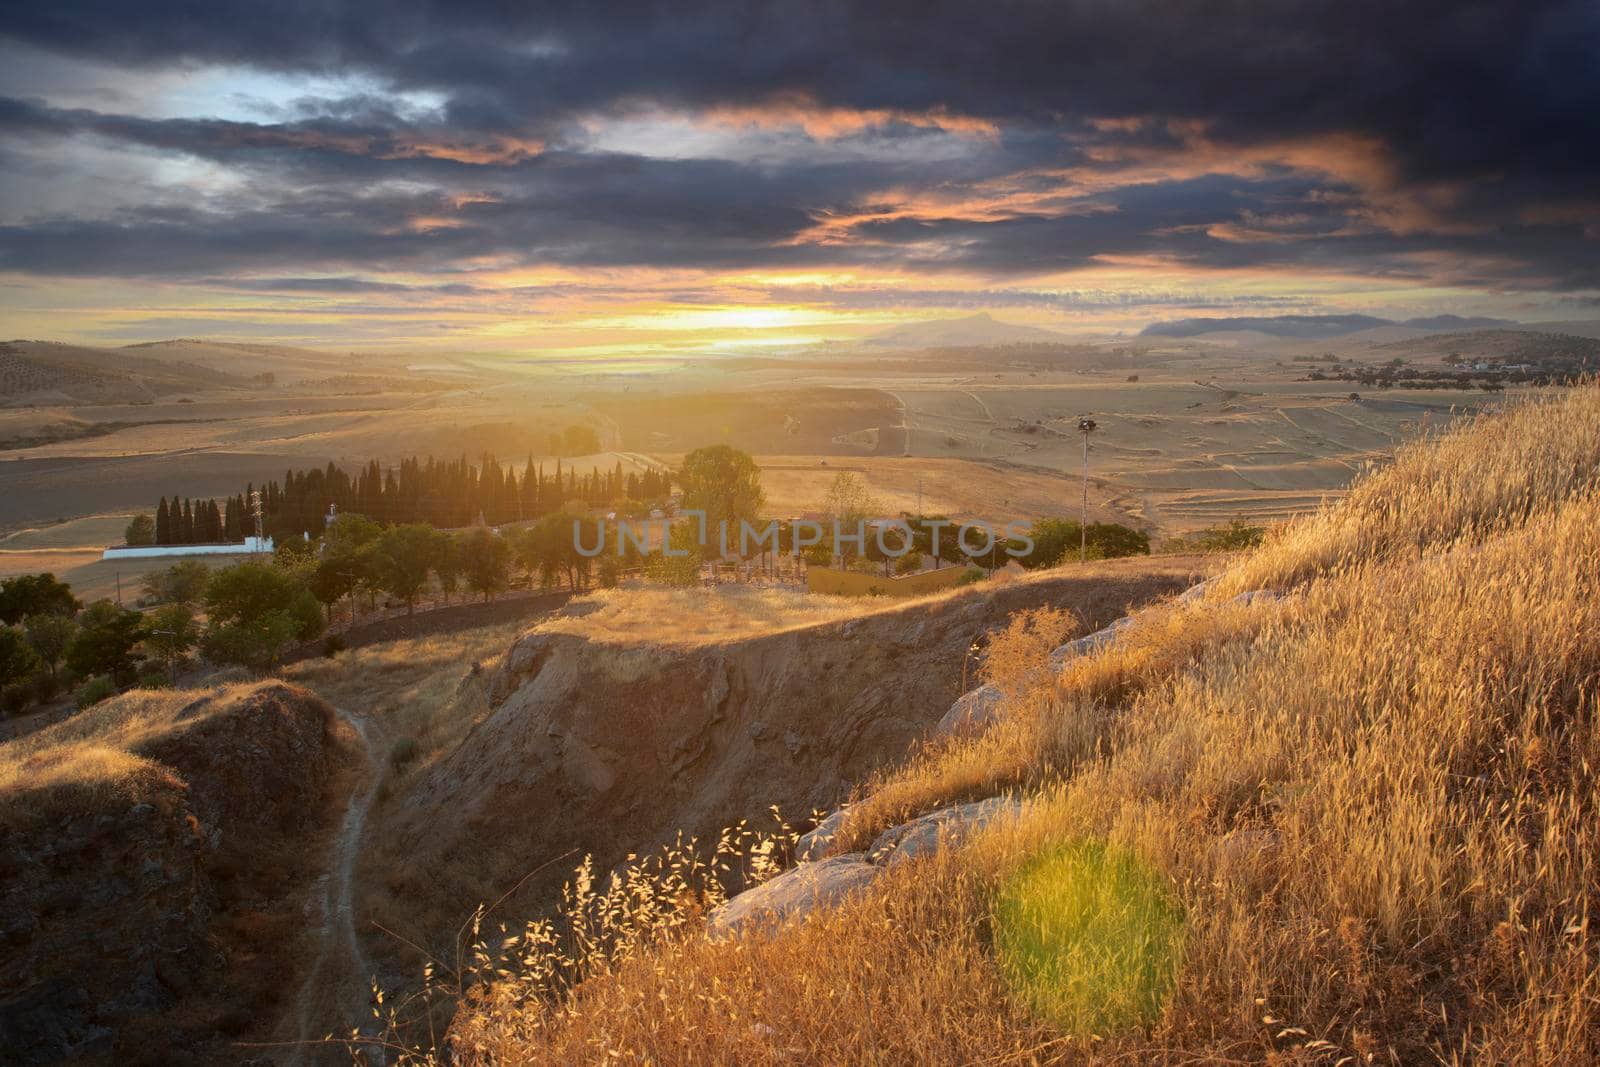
{"x": 337, "y": 995}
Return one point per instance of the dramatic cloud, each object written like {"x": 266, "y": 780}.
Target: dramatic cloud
{"x": 945, "y": 155}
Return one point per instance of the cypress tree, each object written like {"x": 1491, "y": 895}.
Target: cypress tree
{"x": 163, "y": 524}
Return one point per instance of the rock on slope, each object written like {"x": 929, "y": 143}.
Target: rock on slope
{"x": 127, "y": 901}
{"x": 609, "y": 749}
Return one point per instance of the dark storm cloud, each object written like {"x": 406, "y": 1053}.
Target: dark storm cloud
{"x": 1415, "y": 140}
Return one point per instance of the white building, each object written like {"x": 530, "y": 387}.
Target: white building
{"x": 250, "y": 546}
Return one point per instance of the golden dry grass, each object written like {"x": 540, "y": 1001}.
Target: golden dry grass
{"x": 411, "y": 688}
{"x": 730, "y": 612}
{"x": 93, "y": 752}
{"x": 1375, "y": 800}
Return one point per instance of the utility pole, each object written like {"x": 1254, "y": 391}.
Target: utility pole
{"x": 919, "y": 496}
{"x": 1085, "y": 427}
{"x": 255, "y": 509}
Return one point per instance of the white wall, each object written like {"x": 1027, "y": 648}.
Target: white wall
{"x": 249, "y": 545}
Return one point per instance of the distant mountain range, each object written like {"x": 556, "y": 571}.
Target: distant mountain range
{"x": 970, "y": 331}
{"x": 1312, "y": 327}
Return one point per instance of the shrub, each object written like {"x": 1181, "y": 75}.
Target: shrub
{"x": 1023, "y": 648}
{"x": 672, "y": 570}
{"x": 332, "y": 645}
{"x": 1089, "y": 937}
{"x": 94, "y": 690}
{"x": 1237, "y": 534}
{"x": 973, "y": 576}
{"x": 403, "y": 752}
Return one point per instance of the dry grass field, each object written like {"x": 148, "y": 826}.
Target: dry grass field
{"x": 1373, "y": 800}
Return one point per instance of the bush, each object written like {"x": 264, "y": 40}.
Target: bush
{"x": 332, "y": 645}
{"x": 1057, "y": 541}
{"x": 1237, "y": 534}
{"x": 1089, "y": 937}
{"x": 672, "y": 570}
{"x": 973, "y": 576}
{"x": 94, "y": 691}
{"x": 155, "y": 680}
{"x": 403, "y": 752}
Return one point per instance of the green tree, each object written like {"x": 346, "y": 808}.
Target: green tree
{"x": 35, "y": 594}
{"x": 18, "y": 660}
{"x": 141, "y": 531}
{"x": 257, "y": 645}
{"x": 333, "y": 579}
{"x": 404, "y": 557}
{"x": 725, "y": 483}
{"x": 485, "y": 561}
{"x": 170, "y": 634}
{"x": 182, "y": 583}
{"x": 447, "y": 566}
{"x": 256, "y": 610}
{"x": 1056, "y": 541}
{"x": 49, "y": 636}
{"x": 850, "y": 503}
{"x": 105, "y": 642}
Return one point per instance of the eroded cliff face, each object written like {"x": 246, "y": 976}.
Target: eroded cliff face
{"x": 607, "y": 749}
{"x": 148, "y": 921}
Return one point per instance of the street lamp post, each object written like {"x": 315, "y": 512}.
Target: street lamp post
{"x": 1085, "y": 427}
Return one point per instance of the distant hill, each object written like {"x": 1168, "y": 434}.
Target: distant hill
{"x": 49, "y": 372}
{"x": 1312, "y": 327}
{"x": 44, "y": 371}
{"x": 973, "y": 330}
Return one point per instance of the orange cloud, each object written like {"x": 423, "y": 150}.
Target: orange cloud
{"x": 825, "y": 123}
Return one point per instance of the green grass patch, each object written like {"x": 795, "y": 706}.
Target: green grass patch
{"x": 1090, "y": 937}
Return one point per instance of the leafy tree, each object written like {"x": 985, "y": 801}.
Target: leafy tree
{"x": 1237, "y": 534}
{"x": 105, "y": 641}
{"x": 723, "y": 482}
{"x": 170, "y": 634}
{"x": 141, "y": 531}
{"x": 49, "y": 636}
{"x": 1058, "y": 540}
{"x": 550, "y": 547}
{"x": 256, "y": 611}
{"x": 672, "y": 570}
{"x": 485, "y": 561}
{"x": 292, "y": 551}
{"x": 447, "y": 566}
{"x": 910, "y": 563}
{"x": 333, "y": 579}
{"x": 182, "y": 583}
{"x": 850, "y": 503}
{"x": 35, "y": 594}
{"x": 257, "y": 644}
{"x": 404, "y": 555}
{"x": 94, "y": 691}
{"x": 18, "y": 660}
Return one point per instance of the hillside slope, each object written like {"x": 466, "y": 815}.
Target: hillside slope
{"x": 603, "y": 745}
{"x": 152, "y": 853}
{"x": 1372, "y": 800}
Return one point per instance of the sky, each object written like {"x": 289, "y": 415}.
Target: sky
{"x": 617, "y": 178}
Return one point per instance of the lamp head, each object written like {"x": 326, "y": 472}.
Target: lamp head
{"x": 1086, "y": 425}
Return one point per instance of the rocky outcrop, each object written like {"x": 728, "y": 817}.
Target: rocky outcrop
{"x": 972, "y": 713}
{"x": 818, "y": 842}
{"x": 826, "y": 880}
{"x": 977, "y": 710}
{"x": 793, "y": 894}
{"x": 947, "y": 827}
{"x": 111, "y": 895}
